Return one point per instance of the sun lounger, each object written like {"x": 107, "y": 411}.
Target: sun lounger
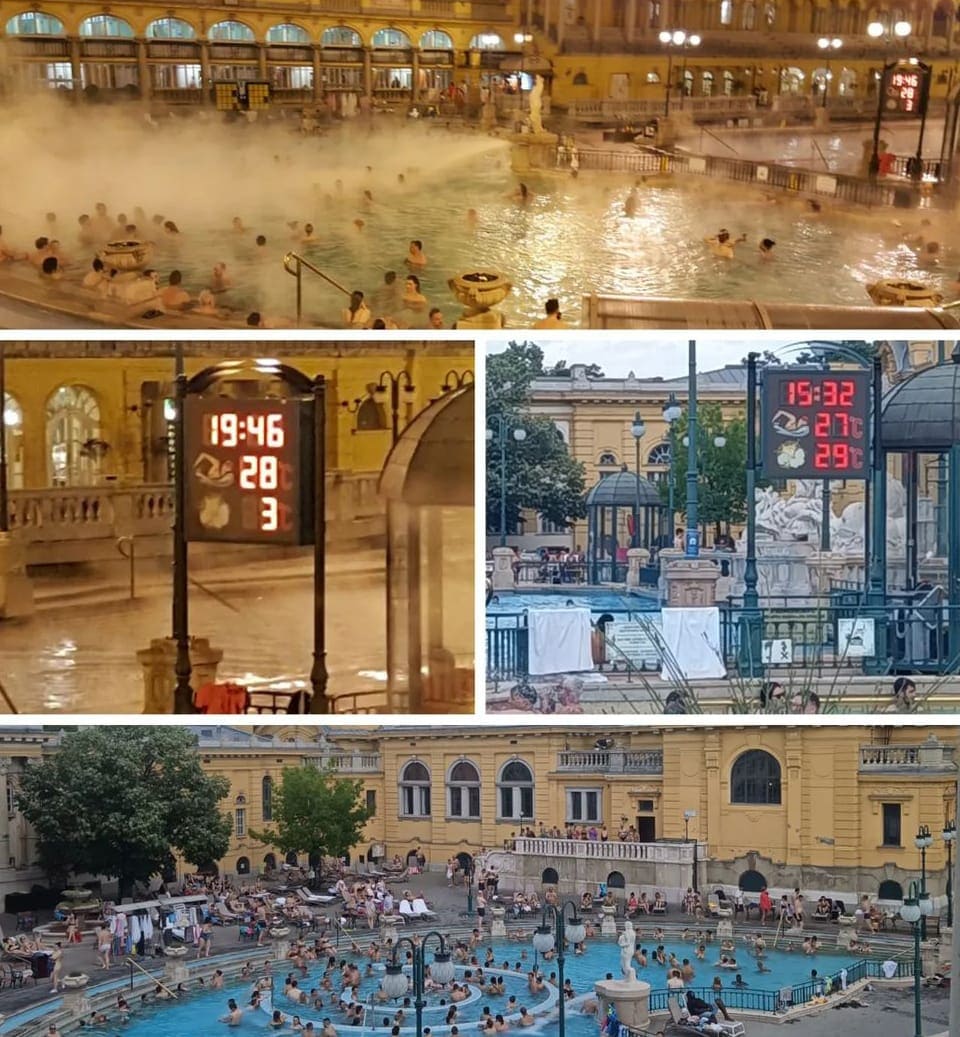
{"x": 320, "y": 899}
{"x": 420, "y": 909}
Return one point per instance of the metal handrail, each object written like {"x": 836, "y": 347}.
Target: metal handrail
{"x": 294, "y": 263}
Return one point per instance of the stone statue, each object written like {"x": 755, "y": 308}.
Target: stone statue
{"x": 536, "y": 105}
{"x": 628, "y": 946}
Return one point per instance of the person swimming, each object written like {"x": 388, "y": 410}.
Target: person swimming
{"x": 723, "y": 245}
{"x": 766, "y": 248}
{"x": 632, "y": 202}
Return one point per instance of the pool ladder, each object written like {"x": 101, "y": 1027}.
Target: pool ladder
{"x": 294, "y": 263}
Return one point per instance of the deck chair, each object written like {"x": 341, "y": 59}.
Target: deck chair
{"x": 679, "y": 1025}
{"x": 420, "y": 909}
{"x": 319, "y": 899}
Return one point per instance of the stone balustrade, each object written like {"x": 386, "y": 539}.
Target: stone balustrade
{"x": 611, "y": 761}
{"x": 586, "y": 849}
{"x": 931, "y": 755}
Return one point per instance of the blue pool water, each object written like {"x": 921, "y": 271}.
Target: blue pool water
{"x": 198, "y": 1014}
{"x": 506, "y": 602}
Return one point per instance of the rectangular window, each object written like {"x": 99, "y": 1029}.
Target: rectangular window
{"x": 465, "y": 801}
{"x": 415, "y": 800}
{"x": 240, "y": 822}
{"x": 645, "y": 806}
{"x": 11, "y": 799}
{"x": 372, "y": 802}
{"x": 891, "y": 824}
{"x": 583, "y": 805}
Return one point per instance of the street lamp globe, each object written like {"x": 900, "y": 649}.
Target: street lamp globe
{"x": 926, "y": 904}
{"x": 543, "y": 939}
{"x": 949, "y": 832}
{"x": 686, "y": 441}
{"x": 672, "y": 410}
{"x": 394, "y": 982}
{"x": 637, "y": 430}
{"x": 875, "y": 29}
{"x": 576, "y": 930}
{"x": 719, "y": 442}
{"x": 923, "y": 838}
{"x": 902, "y": 29}
{"x": 442, "y": 970}
{"x": 910, "y": 910}
{"x": 693, "y": 41}
{"x": 489, "y": 435}
{"x": 678, "y": 37}
{"x": 666, "y": 37}
{"x": 519, "y": 434}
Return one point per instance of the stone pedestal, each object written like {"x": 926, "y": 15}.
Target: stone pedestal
{"x": 821, "y": 118}
{"x": 388, "y": 929}
{"x": 503, "y": 577}
{"x": 174, "y": 972}
{"x": 608, "y": 921}
{"x": 159, "y": 678}
{"x": 637, "y": 557}
{"x": 691, "y": 583}
{"x": 846, "y": 931}
{"x": 944, "y": 948}
{"x": 16, "y": 593}
{"x": 725, "y": 929}
{"x": 533, "y": 151}
{"x": 929, "y": 957}
{"x": 630, "y": 998}
{"x": 930, "y": 753}
{"x": 498, "y": 927}
{"x": 280, "y": 948}
{"x": 76, "y": 1002}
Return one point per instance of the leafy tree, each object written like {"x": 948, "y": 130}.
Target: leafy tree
{"x": 540, "y": 473}
{"x": 115, "y": 801}
{"x": 315, "y": 812}
{"x": 721, "y": 471}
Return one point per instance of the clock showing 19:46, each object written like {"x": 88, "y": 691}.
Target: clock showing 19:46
{"x": 248, "y": 470}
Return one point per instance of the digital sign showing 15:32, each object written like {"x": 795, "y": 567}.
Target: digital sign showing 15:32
{"x": 244, "y": 471}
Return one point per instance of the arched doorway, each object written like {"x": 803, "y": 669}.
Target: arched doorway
{"x": 13, "y": 435}
{"x": 549, "y": 877}
{"x": 890, "y": 890}
{"x": 75, "y": 450}
{"x": 243, "y": 865}
{"x": 751, "y": 881}
{"x": 615, "y": 880}
{"x": 270, "y": 862}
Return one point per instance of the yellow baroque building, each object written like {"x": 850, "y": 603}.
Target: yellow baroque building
{"x": 826, "y": 808}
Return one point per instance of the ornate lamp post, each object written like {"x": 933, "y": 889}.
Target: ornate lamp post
{"x": 889, "y": 33}
{"x": 670, "y": 39}
{"x": 572, "y": 929}
{"x": 922, "y": 840}
{"x": 828, "y": 45}
{"x": 456, "y": 380}
{"x": 442, "y": 971}
{"x": 522, "y": 40}
{"x": 688, "y": 816}
{"x": 719, "y": 441}
{"x": 671, "y": 415}
{"x": 949, "y": 833}
{"x": 637, "y": 430}
{"x": 395, "y": 382}
{"x": 915, "y": 909}
{"x": 499, "y": 432}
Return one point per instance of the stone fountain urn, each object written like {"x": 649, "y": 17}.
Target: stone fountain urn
{"x": 175, "y": 951}
{"x": 75, "y": 980}
{"x": 280, "y": 932}
{"x": 126, "y": 256}
{"x": 478, "y": 292}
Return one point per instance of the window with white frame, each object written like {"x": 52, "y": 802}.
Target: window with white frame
{"x": 463, "y": 791}
{"x": 584, "y": 805}
{"x": 415, "y": 790}
{"x": 515, "y": 792}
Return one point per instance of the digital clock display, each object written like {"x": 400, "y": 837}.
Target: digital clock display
{"x": 248, "y": 470}
{"x": 905, "y": 90}
{"x": 815, "y": 425}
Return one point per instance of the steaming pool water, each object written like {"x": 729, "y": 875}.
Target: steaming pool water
{"x": 198, "y": 1014}
{"x": 571, "y": 238}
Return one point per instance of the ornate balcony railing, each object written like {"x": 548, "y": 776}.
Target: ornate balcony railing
{"x": 586, "y": 849}
{"x": 611, "y": 761}
{"x": 931, "y": 755}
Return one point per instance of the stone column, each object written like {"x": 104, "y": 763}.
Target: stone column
{"x": 143, "y": 72}
{"x": 503, "y": 577}
{"x": 691, "y": 583}
{"x": 16, "y": 592}
{"x": 415, "y": 76}
{"x": 262, "y": 60}
{"x": 595, "y": 34}
{"x": 280, "y": 947}
{"x": 368, "y": 74}
{"x": 76, "y": 69}
{"x": 158, "y": 670}
{"x": 498, "y": 927}
{"x": 630, "y": 998}
{"x": 636, "y": 558}
{"x": 174, "y": 970}
{"x": 388, "y": 929}
{"x": 929, "y": 956}
{"x": 206, "y": 73}
{"x": 631, "y": 20}
{"x": 608, "y": 921}
{"x": 317, "y": 76}
{"x": 75, "y": 1000}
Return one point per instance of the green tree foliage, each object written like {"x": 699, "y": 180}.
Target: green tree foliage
{"x": 721, "y": 471}
{"x": 315, "y": 812}
{"x": 115, "y": 801}
{"x": 540, "y": 473}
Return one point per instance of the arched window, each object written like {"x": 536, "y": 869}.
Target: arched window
{"x": 549, "y": 877}
{"x": 486, "y": 41}
{"x": 751, "y": 882}
{"x": 13, "y": 433}
{"x": 755, "y": 778}
{"x": 749, "y": 15}
{"x": 726, "y": 12}
{"x": 770, "y": 15}
{"x": 415, "y": 790}
{"x": 292, "y": 859}
{"x": 890, "y": 890}
{"x": 434, "y": 39}
{"x": 615, "y": 880}
{"x": 371, "y": 416}
{"x": 287, "y": 33}
{"x": 231, "y": 32}
{"x": 659, "y": 455}
{"x": 706, "y": 84}
{"x": 243, "y": 865}
{"x": 266, "y": 798}
{"x": 35, "y": 23}
{"x": 74, "y": 447}
{"x": 729, "y": 83}
{"x": 463, "y": 791}
{"x": 270, "y": 862}
{"x": 240, "y": 816}
{"x": 580, "y": 79}
{"x": 392, "y": 39}
{"x": 515, "y": 792}
{"x": 106, "y": 25}
{"x": 653, "y": 77}
{"x": 607, "y": 459}
{"x": 170, "y": 29}
{"x": 340, "y": 36}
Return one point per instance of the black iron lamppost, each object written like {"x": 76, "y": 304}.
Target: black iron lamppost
{"x": 949, "y": 834}
{"x": 828, "y": 44}
{"x": 915, "y": 909}
{"x": 671, "y": 414}
{"x": 442, "y": 971}
{"x": 688, "y": 816}
{"x": 876, "y": 30}
{"x": 499, "y": 432}
{"x": 637, "y": 430}
{"x": 572, "y": 929}
{"x": 456, "y": 380}
{"x": 395, "y": 382}
{"x": 922, "y": 840}
{"x": 670, "y": 39}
